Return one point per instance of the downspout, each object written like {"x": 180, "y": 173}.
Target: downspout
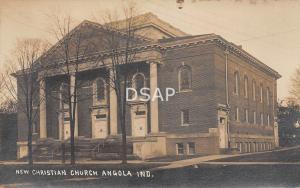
{"x": 227, "y": 96}
{"x": 226, "y": 77}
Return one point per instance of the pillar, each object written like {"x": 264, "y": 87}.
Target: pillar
{"x": 113, "y": 113}
{"x": 276, "y": 135}
{"x": 43, "y": 127}
{"x": 73, "y": 82}
{"x": 153, "y": 104}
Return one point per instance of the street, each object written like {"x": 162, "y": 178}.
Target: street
{"x": 240, "y": 171}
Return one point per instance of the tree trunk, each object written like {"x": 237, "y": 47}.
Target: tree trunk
{"x": 29, "y": 143}
{"x": 72, "y": 141}
{"x": 123, "y": 122}
{"x": 63, "y": 152}
{"x": 123, "y": 130}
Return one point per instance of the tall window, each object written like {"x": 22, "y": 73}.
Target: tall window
{"x": 99, "y": 89}
{"x": 246, "y": 86}
{"x": 185, "y": 117}
{"x": 236, "y": 115}
{"x": 185, "y": 78}
{"x": 254, "y": 117}
{"x": 254, "y": 90}
{"x": 268, "y": 119}
{"x": 246, "y": 115}
{"x": 236, "y": 83}
{"x": 191, "y": 148}
{"x": 261, "y": 119}
{"x": 268, "y": 96}
{"x": 34, "y": 127}
{"x": 139, "y": 82}
{"x": 261, "y": 93}
{"x": 179, "y": 149}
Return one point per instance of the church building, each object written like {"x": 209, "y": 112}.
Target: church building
{"x": 224, "y": 101}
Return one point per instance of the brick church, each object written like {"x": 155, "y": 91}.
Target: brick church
{"x": 225, "y": 100}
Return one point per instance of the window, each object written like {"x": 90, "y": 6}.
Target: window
{"x": 254, "y": 90}
{"x": 254, "y": 117}
{"x": 139, "y": 82}
{"x": 246, "y": 86}
{"x": 140, "y": 113}
{"x": 268, "y": 119}
{"x": 236, "y": 114}
{"x": 185, "y": 78}
{"x": 261, "y": 118}
{"x": 34, "y": 127}
{"x": 66, "y": 116}
{"x": 99, "y": 89}
{"x": 222, "y": 120}
{"x": 236, "y": 83}
{"x": 179, "y": 149}
{"x": 185, "y": 117}
{"x": 246, "y": 115}
{"x": 268, "y": 96}
{"x": 191, "y": 148}
{"x": 100, "y": 116}
{"x": 261, "y": 93}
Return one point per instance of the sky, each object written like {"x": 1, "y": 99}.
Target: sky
{"x": 267, "y": 29}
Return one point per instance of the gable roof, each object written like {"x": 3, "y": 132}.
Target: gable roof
{"x": 151, "y": 20}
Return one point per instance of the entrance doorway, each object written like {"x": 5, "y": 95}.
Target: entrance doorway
{"x": 100, "y": 129}
{"x": 139, "y": 121}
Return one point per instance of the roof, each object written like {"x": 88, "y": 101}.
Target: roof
{"x": 150, "y": 19}
{"x": 177, "y": 39}
{"x": 231, "y": 47}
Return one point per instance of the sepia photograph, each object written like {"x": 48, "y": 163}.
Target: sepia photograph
{"x": 149, "y": 93}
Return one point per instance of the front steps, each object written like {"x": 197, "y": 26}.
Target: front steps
{"x": 85, "y": 149}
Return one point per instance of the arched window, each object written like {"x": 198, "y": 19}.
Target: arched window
{"x": 138, "y": 82}
{"x": 236, "y": 82}
{"x": 246, "y": 86}
{"x": 254, "y": 90}
{"x": 246, "y": 115}
{"x": 99, "y": 90}
{"x": 268, "y": 96}
{"x": 236, "y": 114}
{"x": 254, "y": 117}
{"x": 185, "y": 78}
{"x": 261, "y": 93}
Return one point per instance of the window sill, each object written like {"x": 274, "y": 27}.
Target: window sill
{"x": 103, "y": 119}
{"x": 184, "y": 91}
{"x": 185, "y": 125}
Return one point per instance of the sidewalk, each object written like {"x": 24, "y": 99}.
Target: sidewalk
{"x": 81, "y": 162}
{"x": 251, "y": 163}
{"x": 167, "y": 165}
{"x": 190, "y": 162}
{"x": 206, "y": 159}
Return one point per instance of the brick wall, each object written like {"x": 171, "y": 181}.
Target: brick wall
{"x": 237, "y": 64}
{"x": 201, "y": 101}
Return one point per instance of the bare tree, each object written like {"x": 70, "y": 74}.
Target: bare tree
{"x": 295, "y": 87}
{"x": 8, "y": 106}
{"x": 73, "y": 48}
{"x": 21, "y": 82}
{"x": 120, "y": 43}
